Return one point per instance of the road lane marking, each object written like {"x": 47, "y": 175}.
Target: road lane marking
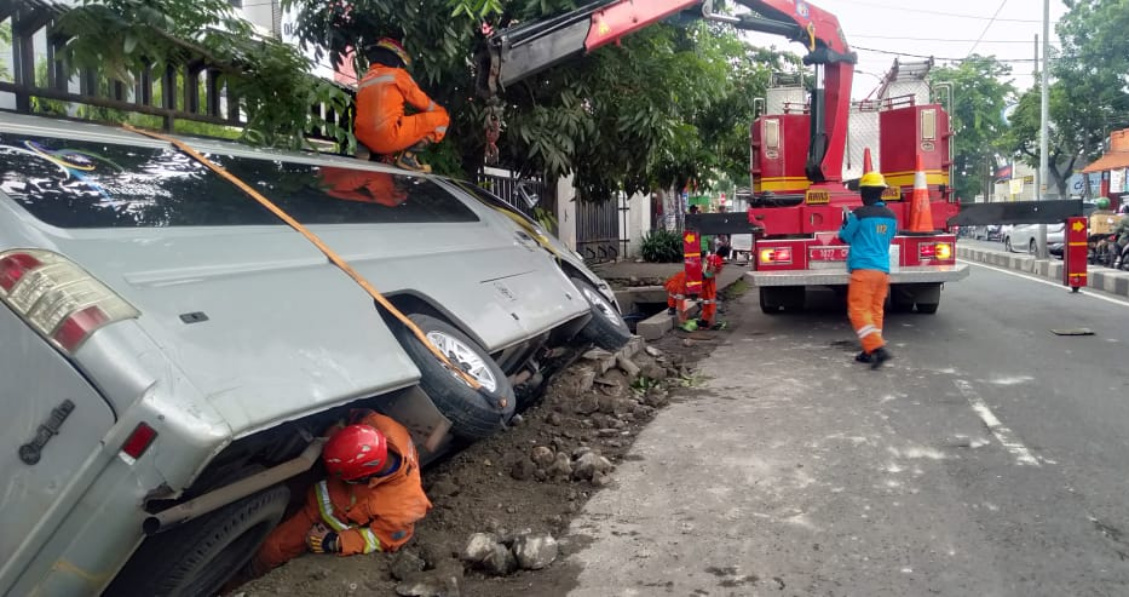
{"x": 1002, "y": 433}
{"x": 1084, "y": 292}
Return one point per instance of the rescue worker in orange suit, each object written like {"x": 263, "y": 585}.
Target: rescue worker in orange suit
{"x": 869, "y": 230}
{"x": 714, "y": 264}
{"x": 675, "y": 291}
{"x": 370, "y": 501}
{"x": 361, "y": 185}
{"x": 381, "y": 123}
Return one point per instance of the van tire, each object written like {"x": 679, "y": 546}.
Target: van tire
{"x": 606, "y": 329}
{"x": 198, "y": 557}
{"x": 471, "y": 414}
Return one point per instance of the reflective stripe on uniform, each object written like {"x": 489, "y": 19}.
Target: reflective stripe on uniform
{"x": 431, "y": 107}
{"x": 440, "y": 129}
{"x": 376, "y": 80}
{"x": 677, "y": 297}
{"x": 709, "y": 301}
{"x": 325, "y": 507}
{"x": 372, "y": 543}
{"x": 867, "y": 330}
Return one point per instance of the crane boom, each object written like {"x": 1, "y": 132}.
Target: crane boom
{"x": 517, "y": 53}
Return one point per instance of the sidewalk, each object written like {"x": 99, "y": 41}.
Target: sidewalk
{"x": 1099, "y": 278}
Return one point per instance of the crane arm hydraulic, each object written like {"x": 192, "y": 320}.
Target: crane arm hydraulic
{"x": 516, "y": 53}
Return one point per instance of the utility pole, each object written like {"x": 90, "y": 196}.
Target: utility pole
{"x": 1044, "y": 117}
{"x": 1035, "y": 81}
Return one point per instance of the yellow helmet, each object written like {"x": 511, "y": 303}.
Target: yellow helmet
{"x": 873, "y": 179}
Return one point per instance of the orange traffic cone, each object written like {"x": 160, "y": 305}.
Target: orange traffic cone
{"x": 920, "y": 209}
{"x": 866, "y": 163}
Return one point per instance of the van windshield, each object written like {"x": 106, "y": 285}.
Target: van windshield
{"x": 89, "y": 184}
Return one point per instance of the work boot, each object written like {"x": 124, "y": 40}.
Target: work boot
{"x": 408, "y": 159}
{"x": 717, "y": 327}
{"x": 863, "y": 357}
{"x": 671, "y": 311}
{"x": 879, "y": 357}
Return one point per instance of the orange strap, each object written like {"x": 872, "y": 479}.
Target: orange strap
{"x": 317, "y": 242}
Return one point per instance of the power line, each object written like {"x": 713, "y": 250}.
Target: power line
{"x": 909, "y": 55}
{"x": 941, "y": 13}
{"x": 988, "y": 26}
{"x": 943, "y": 39}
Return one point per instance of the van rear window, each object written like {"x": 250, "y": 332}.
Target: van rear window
{"x": 86, "y": 184}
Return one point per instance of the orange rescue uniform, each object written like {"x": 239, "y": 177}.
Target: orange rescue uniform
{"x": 675, "y": 289}
{"x": 381, "y": 124}
{"x": 866, "y": 304}
{"x": 714, "y": 265}
{"x": 377, "y": 516}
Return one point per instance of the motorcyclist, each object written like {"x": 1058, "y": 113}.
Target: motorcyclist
{"x": 1121, "y": 232}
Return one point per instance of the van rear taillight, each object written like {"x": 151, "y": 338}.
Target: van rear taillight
{"x": 59, "y": 299}
{"x": 139, "y": 441}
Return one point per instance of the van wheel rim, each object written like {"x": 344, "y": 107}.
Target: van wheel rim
{"x": 465, "y": 358}
{"x": 602, "y": 305}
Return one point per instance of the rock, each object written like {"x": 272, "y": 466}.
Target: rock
{"x": 607, "y": 433}
{"x": 500, "y": 561}
{"x": 319, "y": 574}
{"x": 601, "y": 359}
{"x": 654, "y": 352}
{"x": 561, "y": 467}
{"x": 479, "y": 547}
{"x": 589, "y": 464}
{"x": 654, "y": 372}
{"x": 540, "y": 474}
{"x": 523, "y": 469}
{"x": 554, "y": 419}
{"x": 597, "y": 354}
{"x": 656, "y": 398}
{"x": 535, "y": 552}
{"x": 405, "y": 564}
{"x": 586, "y": 404}
{"x": 601, "y": 480}
{"x": 688, "y": 343}
{"x": 445, "y": 581}
{"x": 615, "y": 444}
{"x": 577, "y": 453}
{"x": 542, "y": 456}
{"x": 628, "y": 367}
{"x": 607, "y": 404}
{"x": 585, "y": 381}
{"x": 642, "y": 412}
{"x": 517, "y": 421}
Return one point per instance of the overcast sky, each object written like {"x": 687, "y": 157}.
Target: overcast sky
{"x": 944, "y": 29}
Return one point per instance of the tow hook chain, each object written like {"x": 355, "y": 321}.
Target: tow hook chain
{"x": 494, "y": 113}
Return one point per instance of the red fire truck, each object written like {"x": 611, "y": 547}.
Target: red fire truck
{"x": 801, "y": 149}
{"x": 797, "y": 203}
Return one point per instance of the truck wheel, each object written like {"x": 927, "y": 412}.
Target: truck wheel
{"x": 793, "y": 298}
{"x": 928, "y": 308}
{"x": 472, "y": 415}
{"x": 198, "y": 557}
{"x": 607, "y": 328}
{"x": 901, "y": 300}
{"x": 770, "y": 304}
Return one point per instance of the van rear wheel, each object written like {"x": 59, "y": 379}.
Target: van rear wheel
{"x": 606, "y": 328}
{"x": 198, "y": 557}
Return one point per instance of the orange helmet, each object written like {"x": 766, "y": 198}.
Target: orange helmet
{"x": 355, "y": 452}
{"x": 396, "y": 48}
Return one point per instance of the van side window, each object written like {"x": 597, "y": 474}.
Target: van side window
{"x": 87, "y": 184}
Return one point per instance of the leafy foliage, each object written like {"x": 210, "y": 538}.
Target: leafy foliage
{"x": 1022, "y": 137}
{"x": 119, "y": 37}
{"x": 980, "y": 91}
{"x": 672, "y": 104}
{"x": 1092, "y": 93}
{"x": 662, "y": 246}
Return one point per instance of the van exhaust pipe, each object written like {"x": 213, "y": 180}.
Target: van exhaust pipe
{"x": 214, "y": 500}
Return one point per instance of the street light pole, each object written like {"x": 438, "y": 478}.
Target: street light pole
{"x": 1044, "y": 117}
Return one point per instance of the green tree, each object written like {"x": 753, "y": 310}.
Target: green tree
{"x": 1092, "y": 89}
{"x": 1022, "y": 137}
{"x": 672, "y": 104}
{"x": 980, "y": 93}
{"x": 117, "y": 38}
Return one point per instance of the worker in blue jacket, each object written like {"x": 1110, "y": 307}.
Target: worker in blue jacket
{"x": 869, "y": 230}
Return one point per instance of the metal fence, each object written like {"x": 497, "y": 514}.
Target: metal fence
{"x": 505, "y": 184}
{"x": 597, "y": 230}
{"x": 193, "y": 90}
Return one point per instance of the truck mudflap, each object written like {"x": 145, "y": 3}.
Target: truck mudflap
{"x": 930, "y": 274}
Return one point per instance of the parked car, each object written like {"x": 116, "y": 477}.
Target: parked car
{"x": 172, "y": 350}
{"x": 1024, "y": 237}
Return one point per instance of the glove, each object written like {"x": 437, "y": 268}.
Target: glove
{"x": 325, "y": 543}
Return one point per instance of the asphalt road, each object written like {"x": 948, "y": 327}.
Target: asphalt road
{"x": 990, "y": 458}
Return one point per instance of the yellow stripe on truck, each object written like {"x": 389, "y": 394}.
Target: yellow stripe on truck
{"x": 782, "y": 183}
{"x": 905, "y": 179}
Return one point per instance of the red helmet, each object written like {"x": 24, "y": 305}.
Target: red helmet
{"x": 355, "y": 452}
{"x": 396, "y": 48}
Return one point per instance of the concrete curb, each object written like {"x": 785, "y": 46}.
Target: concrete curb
{"x": 1100, "y": 278}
